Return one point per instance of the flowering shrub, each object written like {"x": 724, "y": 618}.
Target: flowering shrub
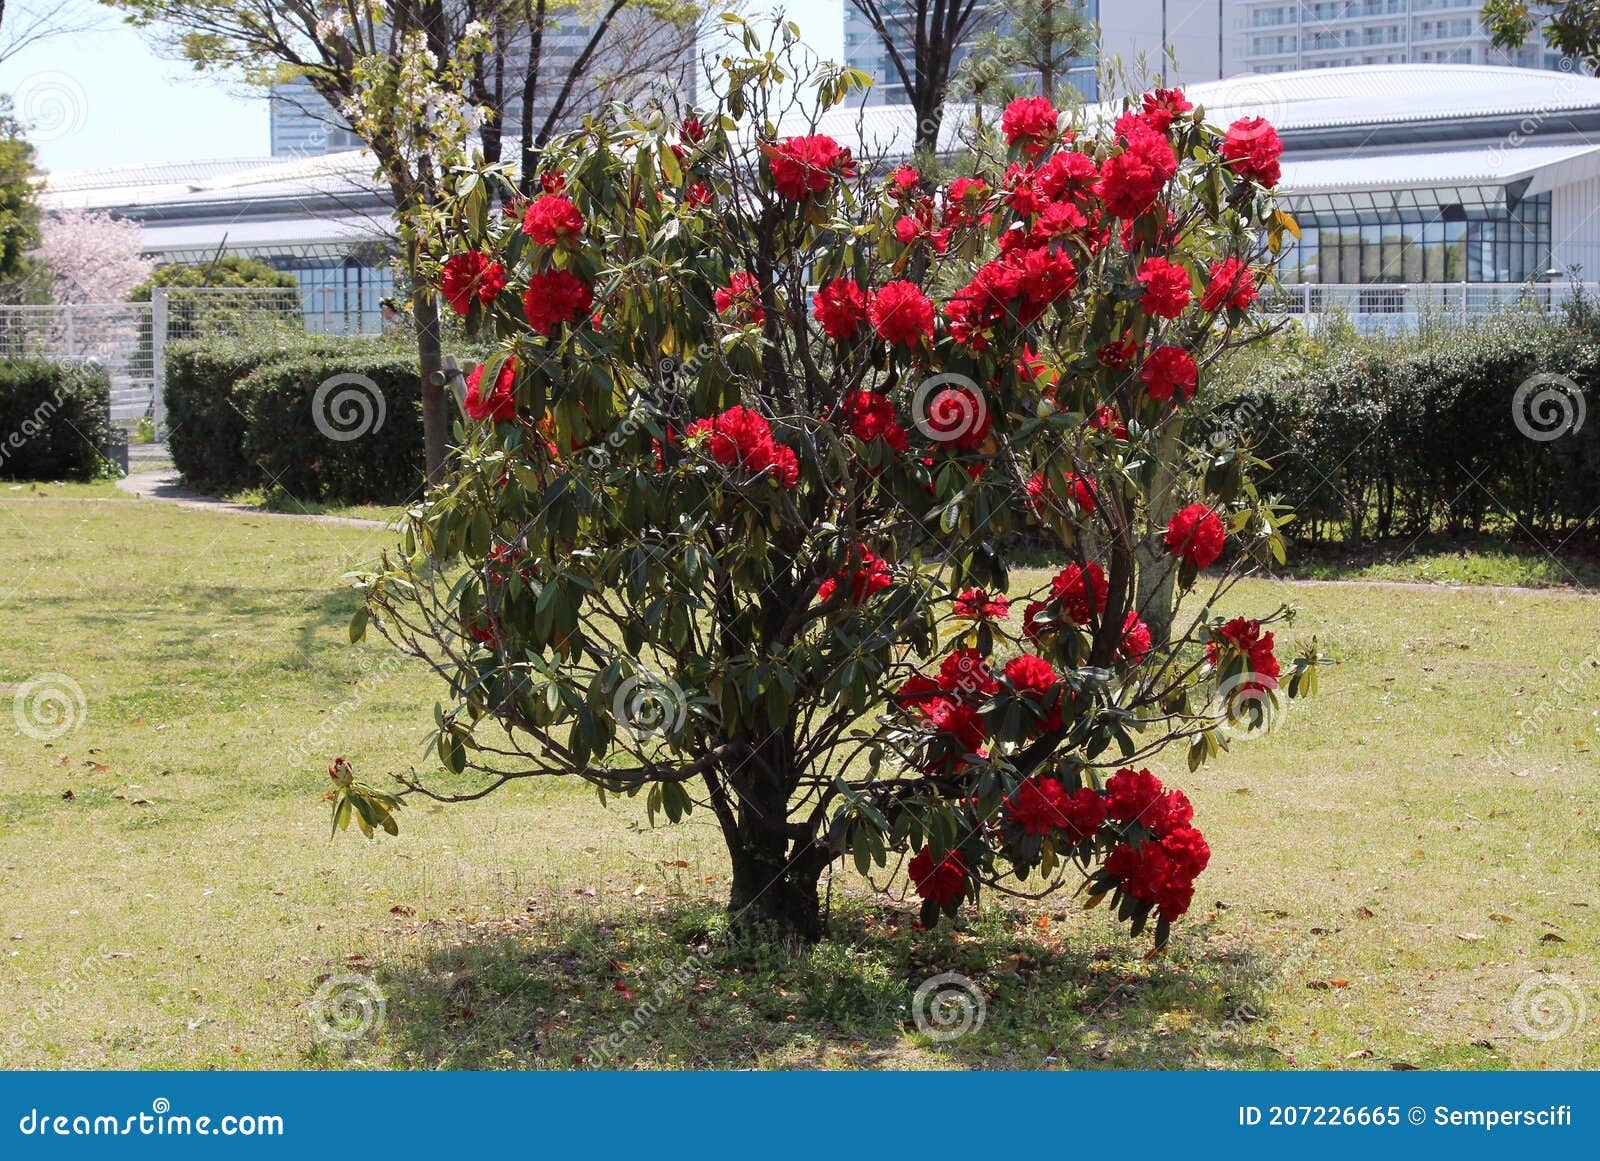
{"x": 775, "y": 411}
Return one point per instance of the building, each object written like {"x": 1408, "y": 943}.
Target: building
{"x": 303, "y": 124}
{"x": 1133, "y": 31}
{"x": 1270, "y": 36}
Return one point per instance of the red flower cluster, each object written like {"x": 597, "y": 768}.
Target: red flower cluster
{"x": 552, "y": 220}
{"x": 1017, "y": 287}
{"x": 1042, "y": 805}
{"x": 1197, "y": 535}
{"x": 1161, "y": 869}
{"x": 742, "y": 296}
{"x": 500, "y": 404}
{"x": 471, "y": 275}
{"x": 801, "y": 166}
{"x": 1038, "y": 678}
{"x": 1081, "y": 592}
{"x": 1252, "y": 149}
{"x": 1031, "y": 121}
{"x": 1169, "y": 369}
{"x": 870, "y": 575}
{"x": 1162, "y": 107}
{"x": 957, "y": 418}
{"x": 1166, "y": 288}
{"x": 1135, "y": 638}
{"x": 1257, "y": 648}
{"x": 741, "y": 438}
{"x": 978, "y": 605}
{"x": 901, "y": 314}
{"x": 871, "y": 416}
{"x": 555, "y": 297}
{"x": 944, "y": 884}
{"x": 840, "y": 307}
{"x": 1105, "y": 418}
{"x": 1232, "y": 282}
{"x": 692, "y": 130}
{"x": 1131, "y": 181}
{"x": 966, "y": 674}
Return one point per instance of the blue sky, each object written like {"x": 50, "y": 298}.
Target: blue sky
{"x": 106, "y": 97}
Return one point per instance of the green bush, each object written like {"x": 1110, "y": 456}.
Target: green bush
{"x": 1402, "y": 435}
{"x": 245, "y": 415}
{"x": 55, "y": 420}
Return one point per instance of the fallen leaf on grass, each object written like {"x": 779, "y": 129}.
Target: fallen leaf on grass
{"x": 1500, "y": 917}
{"x": 1551, "y": 937}
{"x": 1364, "y": 913}
{"x": 1469, "y": 937}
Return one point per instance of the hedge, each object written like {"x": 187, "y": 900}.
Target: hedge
{"x": 55, "y": 420}
{"x": 322, "y": 419}
{"x": 1399, "y": 436}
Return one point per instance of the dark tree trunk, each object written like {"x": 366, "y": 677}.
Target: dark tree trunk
{"x": 430, "y": 367}
{"x": 776, "y": 865}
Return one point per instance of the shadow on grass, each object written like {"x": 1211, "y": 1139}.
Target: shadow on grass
{"x": 669, "y": 991}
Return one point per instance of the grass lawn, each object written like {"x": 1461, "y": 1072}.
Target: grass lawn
{"x": 1382, "y": 892}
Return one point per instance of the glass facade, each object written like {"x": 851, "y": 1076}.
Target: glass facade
{"x": 341, "y": 296}
{"x": 1458, "y": 234}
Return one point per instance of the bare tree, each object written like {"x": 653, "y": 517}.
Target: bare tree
{"x": 22, "y": 25}
{"x": 922, "y": 38}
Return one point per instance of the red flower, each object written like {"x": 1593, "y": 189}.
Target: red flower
{"x": 906, "y": 230}
{"x": 958, "y": 418}
{"x": 1039, "y": 806}
{"x": 960, "y": 198}
{"x": 1196, "y": 534}
{"x": 740, "y": 437}
{"x": 500, "y": 404}
{"x": 978, "y": 605}
{"x": 1132, "y": 794}
{"x": 869, "y": 576}
{"x": 1033, "y": 370}
{"x": 945, "y": 884}
{"x": 698, "y": 194}
{"x": 741, "y": 295}
{"x": 1023, "y": 192}
{"x": 840, "y": 307}
{"x": 871, "y": 416}
{"x": 551, "y": 220}
{"x": 904, "y": 180}
{"x": 1163, "y": 872}
{"x": 1033, "y": 121}
{"x": 1030, "y": 674}
{"x": 1135, "y": 638}
{"x": 1257, "y": 648}
{"x": 555, "y": 297}
{"x": 553, "y": 181}
{"x": 1232, "y": 282}
{"x": 1080, "y": 592}
{"x": 1252, "y": 150}
{"x": 919, "y": 691}
{"x": 901, "y": 313}
{"x": 806, "y": 165}
{"x": 1162, "y": 107}
{"x": 1105, "y": 418}
{"x": 960, "y": 722}
{"x": 1082, "y": 491}
{"x": 1118, "y": 355}
{"x": 1067, "y": 174}
{"x": 471, "y": 275}
{"x": 692, "y": 130}
{"x": 1131, "y": 181}
{"x": 1166, "y": 288}
{"x": 965, "y": 672}
{"x": 1032, "y": 616}
{"x": 1168, "y": 369}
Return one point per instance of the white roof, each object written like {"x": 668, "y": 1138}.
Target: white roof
{"x": 1393, "y": 93}
{"x": 257, "y": 233}
{"x": 348, "y": 173}
{"x": 1548, "y": 165}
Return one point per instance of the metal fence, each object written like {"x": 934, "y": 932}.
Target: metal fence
{"x": 1398, "y": 306}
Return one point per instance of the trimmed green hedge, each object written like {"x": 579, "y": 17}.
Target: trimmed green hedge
{"x": 55, "y": 420}
{"x": 322, "y": 419}
{"x": 1399, "y": 436}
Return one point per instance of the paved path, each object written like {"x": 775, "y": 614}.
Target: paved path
{"x": 169, "y": 487}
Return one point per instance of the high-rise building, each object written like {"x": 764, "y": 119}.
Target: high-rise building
{"x": 639, "y": 54}
{"x": 1272, "y": 36}
{"x": 1134, "y": 31}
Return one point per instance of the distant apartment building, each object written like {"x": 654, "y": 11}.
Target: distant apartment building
{"x": 1273, "y": 36}
{"x": 640, "y": 54}
{"x": 1134, "y": 31}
